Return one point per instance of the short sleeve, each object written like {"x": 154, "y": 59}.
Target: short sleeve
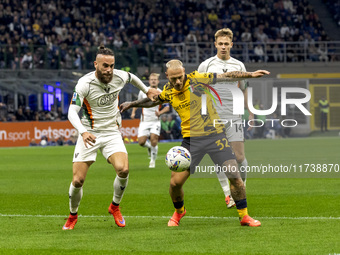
{"x": 202, "y": 67}
{"x": 164, "y": 96}
{"x": 202, "y": 78}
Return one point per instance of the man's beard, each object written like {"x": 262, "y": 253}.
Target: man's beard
{"x": 104, "y": 78}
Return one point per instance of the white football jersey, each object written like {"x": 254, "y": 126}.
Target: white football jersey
{"x": 149, "y": 114}
{"x": 100, "y": 101}
{"x": 219, "y": 66}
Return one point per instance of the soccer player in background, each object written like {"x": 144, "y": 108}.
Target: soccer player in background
{"x": 97, "y": 93}
{"x": 200, "y": 134}
{"x": 219, "y": 64}
{"x": 150, "y": 124}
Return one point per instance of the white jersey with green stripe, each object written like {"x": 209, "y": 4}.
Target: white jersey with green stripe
{"x": 219, "y": 66}
{"x": 100, "y": 101}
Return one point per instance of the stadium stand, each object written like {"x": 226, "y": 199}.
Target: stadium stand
{"x": 334, "y": 8}
{"x": 64, "y": 34}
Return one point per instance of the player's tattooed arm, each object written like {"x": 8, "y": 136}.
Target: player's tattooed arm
{"x": 238, "y": 75}
{"x": 144, "y": 103}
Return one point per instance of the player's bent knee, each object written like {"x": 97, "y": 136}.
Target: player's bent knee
{"x": 154, "y": 141}
{"x": 231, "y": 169}
{"x": 78, "y": 182}
{"x": 175, "y": 184}
{"x": 122, "y": 172}
{"x": 142, "y": 140}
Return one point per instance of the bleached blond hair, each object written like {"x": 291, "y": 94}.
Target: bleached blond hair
{"x": 174, "y": 64}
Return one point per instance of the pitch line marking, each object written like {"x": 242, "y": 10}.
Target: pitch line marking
{"x": 166, "y": 217}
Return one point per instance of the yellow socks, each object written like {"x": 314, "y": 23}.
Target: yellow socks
{"x": 242, "y": 212}
{"x": 180, "y": 210}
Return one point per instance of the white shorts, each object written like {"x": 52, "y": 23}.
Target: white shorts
{"x": 148, "y": 127}
{"x": 234, "y": 131}
{"x": 108, "y": 144}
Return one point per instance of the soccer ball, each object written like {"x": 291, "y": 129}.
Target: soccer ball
{"x": 43, "y": 143}
{"x": 178, "y": 159}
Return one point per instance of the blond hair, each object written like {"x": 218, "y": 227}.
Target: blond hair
{"x": 174, "y": 64}
{"x": 155, "y": 74}
{"x": 224, "y": 32}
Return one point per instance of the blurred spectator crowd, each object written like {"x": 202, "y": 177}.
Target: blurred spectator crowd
{"x": 334, "y": 8}
{"x": 60, "y": 141}
{"x": 65, "y": 34}
{"x": 26, "y": 114}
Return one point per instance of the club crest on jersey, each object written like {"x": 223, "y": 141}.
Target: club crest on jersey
{"x": 181, "y": 96}
{"x": 107, "y": 99}
{"x": 74, "y": 97}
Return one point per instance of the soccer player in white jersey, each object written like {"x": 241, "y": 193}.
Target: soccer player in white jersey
{"x": 150, "y": 125}
{"x": 222, "y": 63}
{"x": 97, "y": 93}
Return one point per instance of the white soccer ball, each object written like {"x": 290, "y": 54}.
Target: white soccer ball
{"x": 43, "y": 143}
{"x": 178, "y": 159}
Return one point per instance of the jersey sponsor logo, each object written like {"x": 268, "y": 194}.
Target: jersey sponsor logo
{"x": 107, "y": 99}
{"x": 192, "y": 103}
{"x": 225, "y": 70}
{"x": 76, "y": 155}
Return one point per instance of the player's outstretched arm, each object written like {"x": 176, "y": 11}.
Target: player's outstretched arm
{"x": 133, "y": 113}
{"x": 164, "y": 110}
{"x": 152, "y": 94}
{"x": 238, "y": 75}
{"x": 144, "y": 103}
{"x": 259, "y": 73}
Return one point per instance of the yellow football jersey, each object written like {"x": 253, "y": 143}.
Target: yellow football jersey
{"x": 188, "y": 105}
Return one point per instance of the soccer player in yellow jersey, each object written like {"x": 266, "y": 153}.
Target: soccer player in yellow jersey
{"x": 200, "y": 135}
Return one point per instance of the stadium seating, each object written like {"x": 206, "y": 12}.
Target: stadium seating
{"x": 65, "y": 34}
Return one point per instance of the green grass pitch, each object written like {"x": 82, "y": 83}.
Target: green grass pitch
{"x": 298, "y": 215}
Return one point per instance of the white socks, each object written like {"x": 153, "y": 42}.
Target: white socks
{"x": 154, "y": 152}
{"x": 223, "y": 179}
{"x": 75, "y": 195}
{"x": 147, "y": 144}
{"x": 119, "y": 186}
